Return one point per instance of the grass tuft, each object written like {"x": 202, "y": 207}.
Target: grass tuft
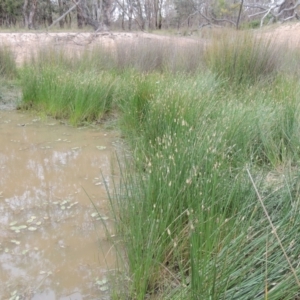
{"x": 67, "y": 87}
{"x": 8, "y": 67}
{"x": 243, "y": 58}
{"x": 160, "y": 55}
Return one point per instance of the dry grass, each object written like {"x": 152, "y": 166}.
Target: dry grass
{"x": 171, "y": 55}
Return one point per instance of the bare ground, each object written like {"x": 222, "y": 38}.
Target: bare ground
{"x": 287, "y": 34}
{"x": 24, "y": 44}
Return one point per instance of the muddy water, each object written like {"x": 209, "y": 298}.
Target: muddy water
{"x": 52, "y": 244}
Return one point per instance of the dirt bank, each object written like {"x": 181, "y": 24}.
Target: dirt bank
{"x": 23, "y": 44}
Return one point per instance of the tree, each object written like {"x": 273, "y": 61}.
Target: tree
{"x": 145, "y": 14}
{"x": 62, "y": 8}
{"x": 283, "y": 11}
{"x": 29, "y": 12}
{"x": 96, "y": 13}
{"x": 185, "y": 10}
{"x": 44, "y": 13}
{"x": 10, "y": 12}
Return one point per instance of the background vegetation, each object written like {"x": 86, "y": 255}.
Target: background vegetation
{"x": 207, "y": 202}
{"x": 185, "y": 16}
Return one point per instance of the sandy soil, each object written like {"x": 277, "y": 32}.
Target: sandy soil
{"x": 287, "y": 34}
{"x": 23, "y": 44}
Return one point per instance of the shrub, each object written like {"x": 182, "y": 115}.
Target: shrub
{"x": 242, "y": 58}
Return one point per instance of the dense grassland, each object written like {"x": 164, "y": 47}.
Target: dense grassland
{"x": 207, "y": 204}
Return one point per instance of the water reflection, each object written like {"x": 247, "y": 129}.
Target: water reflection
{"x": 49, "y": 247}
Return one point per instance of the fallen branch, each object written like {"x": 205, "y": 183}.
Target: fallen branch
{"x": 239, "y": 16}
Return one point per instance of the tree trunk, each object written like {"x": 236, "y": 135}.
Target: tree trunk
{"x": 80, "y": 15}
{"x": 130, "y": 12}
{"x": 140, "y": 15}
{"x": 61, "y": 11}
{"x": 98, "y": 10}
{"x": 25, "y": 14}
{"x": 122, "y": 15}
{"x": 285, "y": 9}
{"x": 49, "y": 12}
{"x": 32, "y": 13}
{"x": 29, "y": 12}
{"x": 68, "y": 20}
{"x": 147, "y": 10}
{"x": 157, "y": 12}
{"x": 107, "y": 8}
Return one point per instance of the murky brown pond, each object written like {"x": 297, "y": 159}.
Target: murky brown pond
{"x": 52, "y": 243}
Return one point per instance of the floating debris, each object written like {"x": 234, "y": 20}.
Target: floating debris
{"x": 18, "y": 229}
{"x": 32, "y": 218}
{"x": 32, "y": 228}
{"x": 15, "y": 229}
{"x": 66, "y": 204}
{"x": 25, "y": 251}
{"x": 98, "y": 217}
{"x": 102, "y": 284}
{"x": 15, "y": 242}
{"x": 103, "y": 218}
{"x": 72, "y": 204}
{"x": 14, "y": 295}
{"x": 101, "y": 147}
{"x": 103, "y": 288}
